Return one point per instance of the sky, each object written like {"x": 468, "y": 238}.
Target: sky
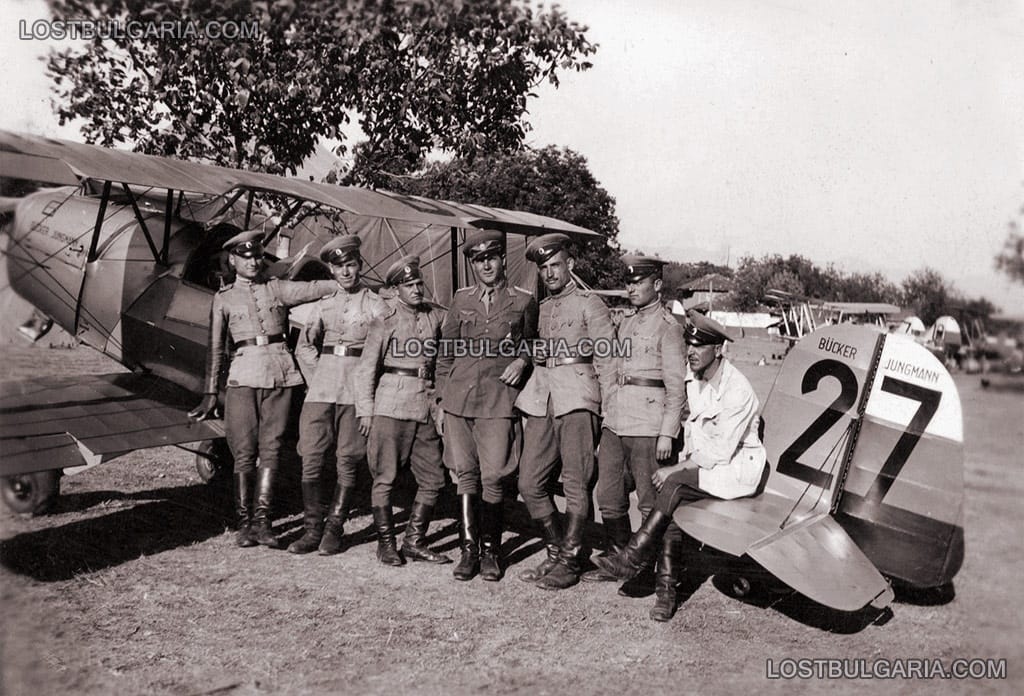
{"x": 877, "y": 136}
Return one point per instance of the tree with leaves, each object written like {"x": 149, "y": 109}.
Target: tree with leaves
{"x": 1011, "y": 259}
{"x": 552, "y": 181}
{"x": 417, "y": 75}
{"x": 928, "y": 294}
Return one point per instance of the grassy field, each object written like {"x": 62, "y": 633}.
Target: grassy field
{"x": 134, "y": 585}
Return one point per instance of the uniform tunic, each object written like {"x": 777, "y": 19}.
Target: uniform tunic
{"x": 563, "y": 401}
{"x": 478, "y": 343}
{"x": 328, "y": 416}
{"x": 261, "y": 377}
{"x": 401, "y": 405}
{"x": 721, "y": 433}
{"x": 636, "y": 415}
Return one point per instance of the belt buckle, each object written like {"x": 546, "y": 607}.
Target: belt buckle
{"x": 423, "y": 372}
{"x": 263, "y": 340}
{"x": 550, "y": 362}
{"x": 621, "y": 380}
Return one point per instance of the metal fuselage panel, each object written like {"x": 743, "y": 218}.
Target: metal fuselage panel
{"x": 49, "y": 241}
{"x": 123, "y": 303}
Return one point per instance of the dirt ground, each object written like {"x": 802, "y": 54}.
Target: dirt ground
{"x": 133, "y": 585}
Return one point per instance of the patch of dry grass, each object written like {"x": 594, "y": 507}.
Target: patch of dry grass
{"x": 134, "y": 585}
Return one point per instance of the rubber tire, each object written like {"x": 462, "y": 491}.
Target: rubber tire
{"x": 219, "y": 467}
{"x": 740, "y": 587}
{"x": 30, "y": 494}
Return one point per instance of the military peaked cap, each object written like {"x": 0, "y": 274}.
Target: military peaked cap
{"x": 484, "y": 242}
{"x": 702, "y": 330}
{"x": 341, "y": 249}
{"x": 248, "y": 244}
{"x": 545, "y": 246}
{"x": 403, "y": 270}
{"x": 639, "y": 267}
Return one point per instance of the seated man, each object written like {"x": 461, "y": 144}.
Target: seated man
{"x": 722, "y": 457}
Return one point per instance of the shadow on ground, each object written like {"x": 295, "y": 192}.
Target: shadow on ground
{"x": 168, "y": 519}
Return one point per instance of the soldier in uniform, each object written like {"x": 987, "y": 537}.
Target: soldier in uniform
{"x": 252, "y": 313}
{"x": 643, "y": 411}
{"x": 562, "y": 404}
{"x": 395, "y": 405}
{"x": 480, "y": 366}
{"x": 722, "y": 455}
{"x": 338, "y": 325}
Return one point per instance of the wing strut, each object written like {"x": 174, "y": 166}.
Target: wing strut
{"x": 143, "y": 225}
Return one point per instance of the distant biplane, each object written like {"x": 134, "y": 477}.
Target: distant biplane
{"x": 863, "y": 429}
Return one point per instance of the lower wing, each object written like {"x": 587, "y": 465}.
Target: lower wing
{"x": 60, "y": 422}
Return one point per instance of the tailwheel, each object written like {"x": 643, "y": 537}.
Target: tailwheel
{"x": 30, "y": 494}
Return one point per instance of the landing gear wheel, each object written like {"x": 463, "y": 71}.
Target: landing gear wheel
{"x": 30, "y": 494}
{"x": 739, "y": 586}
{"x": 214, "y": 461}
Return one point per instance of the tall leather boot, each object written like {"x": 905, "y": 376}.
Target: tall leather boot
{"x": 312, "y": 519}
{"x": 628, "y": 563}
{"x": 551, "y": 532}
{"x": 666, "y": 588}
{"x": 244, "y": 482}
{"x": 264, "y": 501}
{"x": 334, "y": 527}
{"x": 566, "y": 572}
{"x": 387, "y": 551}
{"x": 414, "y": 546}
{"x": 616, "y": 534}
{"x": 642, "y": 585}
{"x": 491, "y": 527}
{"x": 469, "y": 540}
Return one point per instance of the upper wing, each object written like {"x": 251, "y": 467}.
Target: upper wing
{"x": 61, "y": 161}
{"x": 59, "y": 422}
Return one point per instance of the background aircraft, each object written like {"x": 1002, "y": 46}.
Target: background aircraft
{"x": 125, "y": 254}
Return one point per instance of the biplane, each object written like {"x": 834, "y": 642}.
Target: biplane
{"x": 124, "y": 253}
{"x": 863, "y": 429}
{"x": 796, "y": 316}
{"x": 864, "y": 434}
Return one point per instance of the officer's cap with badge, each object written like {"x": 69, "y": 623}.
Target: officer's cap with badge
{"x": 483, "y": 243}
{"x": 403, "y": 270}
{"x": 248, "y": 244}
{"x": 542, "y": 248}
{"x": 341, "y": 250}
{"x": 702, "y": 330}
{"x": 639, "y": 267}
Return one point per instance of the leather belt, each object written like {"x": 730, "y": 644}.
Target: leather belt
{"x": 421, "y": 372}
{"x": 576, "y": 360}
{"x": 260, "y": 341}
{"x": 623, "y": 380}
{"x": 338, "y": 349}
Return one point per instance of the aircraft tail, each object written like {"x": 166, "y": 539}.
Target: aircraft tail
{"x": 817, "y": 558}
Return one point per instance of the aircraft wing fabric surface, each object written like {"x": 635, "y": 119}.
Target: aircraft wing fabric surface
{"x": 59, "y": 422}
{"x": 60, "y": 161}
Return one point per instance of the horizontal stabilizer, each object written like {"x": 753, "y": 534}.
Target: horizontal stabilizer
{"x": 818, "y": 559}
{"x": 46, "y": 423}
{"x": 733, "y": 526}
